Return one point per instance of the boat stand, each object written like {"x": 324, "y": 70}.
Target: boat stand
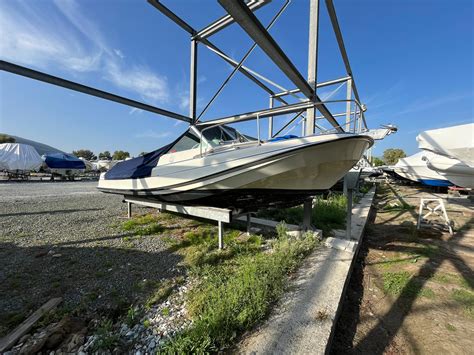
{"x": 221, "y": 215}
{"x": 438, "y": 210}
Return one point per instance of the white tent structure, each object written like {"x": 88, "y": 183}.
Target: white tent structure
{"x": 19, "y": 157}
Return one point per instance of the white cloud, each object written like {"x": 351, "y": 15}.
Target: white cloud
{"x": 60, "y": 35}
{"x": 134, "y": 110}
{"x": 152, "y": 134}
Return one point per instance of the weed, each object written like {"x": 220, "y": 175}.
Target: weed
{"x": 465, "y": 299}
{"x": 161, "y": 292}
{"x": 146, "y": 323}
{"x": 450, "y": 327}
{"x": 234, "y": 295}
{"x": 403, "y": 283}
{"x": 106, "y": 339}
{"x": 328, "y": 214}
{"x": 133, "y": 315}
{"x": 424, "y": 250}
{"x": 281, "y": 229}
{"x": 165, "y": 311}
{"x": 143, "y": 225}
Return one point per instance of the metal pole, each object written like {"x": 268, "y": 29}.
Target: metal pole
{"x": 248, "y": 223}
{"x": 129, "y": 209}
{"x": 307, "y": 212}
{"x": 348, "y": 105}
{"x": 270, "y": 119}
{"x": 193, "y": 80}
{"x": 312, "y": 61}
{"x": 349, "y": 214}
{"x": 220, "y": 234}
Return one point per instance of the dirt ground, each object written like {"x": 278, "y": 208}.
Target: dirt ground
{"x": 411, "y": 291}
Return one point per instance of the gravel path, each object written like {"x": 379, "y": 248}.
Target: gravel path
{"x": 66, "y": 240}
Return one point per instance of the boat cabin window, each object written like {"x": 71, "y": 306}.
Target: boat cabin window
{"x": 188, "y": 141}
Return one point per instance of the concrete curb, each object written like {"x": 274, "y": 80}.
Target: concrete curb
{"x": 304, "y": 320}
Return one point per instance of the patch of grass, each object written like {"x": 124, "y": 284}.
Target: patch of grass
{"x": 146, "y": 323}
{"x": 450, "y": 327}
{"x": 328, "y": 213}
{"x": 143, "y": 225}
{"x": 403, "y": 283}
{"x": 165, "y": 311}
{"x": 465, "y": 299}
{"x": 234, "y": 295}
{"x": 451, "y": 279}
{"x": 398, "y": 207}
{"x": 133, "y": 316}
{"x": 424, "y": 250}
{"x": 106, "y": 339}
{"x": 160, "y": 293}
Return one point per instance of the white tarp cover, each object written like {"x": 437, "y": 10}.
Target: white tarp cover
{"x": 16, "y": 156}
{"x": 454, "y": 142}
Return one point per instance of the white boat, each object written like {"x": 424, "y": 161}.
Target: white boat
{"x": 454, "y": 142}
{"x": 454, "y": 147}
{"x": 454, "y": 170}
{"x": 221, "y": 167}
{"x": 17, "y": 157}
{"x": 414, "y": 168}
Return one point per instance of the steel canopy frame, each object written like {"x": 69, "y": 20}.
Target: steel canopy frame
{"x": 247, "y": 20}
{"x": 54, "y": 80}
{"x": 226, "y": 20}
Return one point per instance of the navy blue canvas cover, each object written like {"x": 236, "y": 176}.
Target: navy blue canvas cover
{"x": 137, "y": 168}
{"x": 63, "y": 161}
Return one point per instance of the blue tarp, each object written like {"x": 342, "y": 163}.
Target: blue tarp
{"x": 137, "y": 167}
{"x": 63, "y": 161}
{"x": 288, "y": 136}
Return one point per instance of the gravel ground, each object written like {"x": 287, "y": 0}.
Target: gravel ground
{"x": 65, "y": 240}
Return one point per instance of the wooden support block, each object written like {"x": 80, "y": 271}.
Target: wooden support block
{"x": 8, "y": 341}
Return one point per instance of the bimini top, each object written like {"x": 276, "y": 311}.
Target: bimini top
{"x": 16, "y": 156}
{"x": 63, "y": 161}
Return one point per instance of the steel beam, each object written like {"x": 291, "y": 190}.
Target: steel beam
{"x": 281, "y": 110}
{"x": 348, "y": 105}
{"x": 244, "y": 70}
{"x": 227, "y": 20}
{"x": 254, "y": 28}
{"x": 319, "y": 85}
{"x": 193, "y": 80}
{"x": 340, "y": 42}
{"x": 312, "y": 61}
{"x": 54, "y": 80}
{"x": 172, "y": 16}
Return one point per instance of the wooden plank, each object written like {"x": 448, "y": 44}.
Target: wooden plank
{"x": 10, "y": 340}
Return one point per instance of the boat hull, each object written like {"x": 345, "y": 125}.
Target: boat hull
{"x": 273, "y": 173}
{"x": 454, "y": 170}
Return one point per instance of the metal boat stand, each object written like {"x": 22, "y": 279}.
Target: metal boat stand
{"x": 438, "y": 207}
{"x": 220, "y": 215}
{"x": 351, "y": 183}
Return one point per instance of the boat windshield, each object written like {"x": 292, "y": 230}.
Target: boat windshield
{"x": 221, "y": 135}
{"x": 215, "y": 136}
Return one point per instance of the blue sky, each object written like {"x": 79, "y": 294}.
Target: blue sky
{"x": 412, "y": 61}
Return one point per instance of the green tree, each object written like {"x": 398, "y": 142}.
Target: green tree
{"x": 84, "y": 153}
{"x": 391, "y": 156}
{"x": 5, "y": 138}
{"x": 376, "y": 161}
{"x": 120, "y": 155}
{"x": 105, "y": 155}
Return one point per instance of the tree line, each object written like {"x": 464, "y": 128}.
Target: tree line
{"x": 89, "y": 155}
